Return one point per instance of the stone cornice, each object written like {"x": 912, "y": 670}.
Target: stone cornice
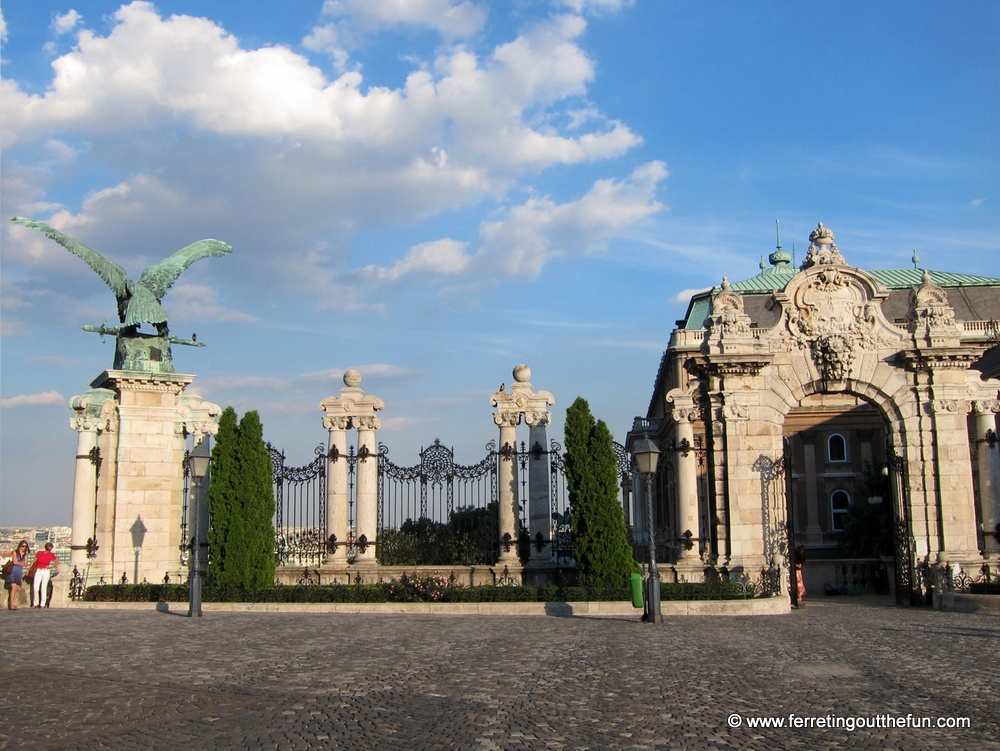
{"x": 941, "y": 357}
{"x": 133, "y": 380}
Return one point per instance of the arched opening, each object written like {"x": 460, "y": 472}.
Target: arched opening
{"x": 841, "y": 504}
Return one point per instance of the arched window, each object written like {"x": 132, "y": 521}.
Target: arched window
{"x": 840, "y": 503}
{"x": 836, "y": 448}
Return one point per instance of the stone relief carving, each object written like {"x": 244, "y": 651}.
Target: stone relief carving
{"x": 727, "y": 316}
{"x": 834, "y": 356}
{"x": 929, "y": 309}
{"x": 831, "y": 310}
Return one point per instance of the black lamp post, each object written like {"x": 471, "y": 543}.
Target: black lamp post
{"x": 200, "y": 459}
{"x": 647, "y": 455}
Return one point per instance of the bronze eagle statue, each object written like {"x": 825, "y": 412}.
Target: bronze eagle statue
{"x": 138, "y": 302}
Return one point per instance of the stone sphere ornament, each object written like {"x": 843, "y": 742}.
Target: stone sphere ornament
{"x": 352, "y": 378}
{"x": 522, "y": 373}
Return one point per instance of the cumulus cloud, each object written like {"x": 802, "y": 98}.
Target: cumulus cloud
{"x": 45, "y": 399}
{"x": 540, "y": 229}
{"x": 203, "y": 137}
{"x": 64, "y": 23}
{"x": 350, "y": 21}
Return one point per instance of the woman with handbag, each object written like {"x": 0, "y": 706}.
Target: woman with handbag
{"x": 18, "y": 562}
{"x": 41, "y": 569}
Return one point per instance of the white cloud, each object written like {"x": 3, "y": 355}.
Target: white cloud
{"x": 196, "y": 302}
{"x": 595, "y": 6}
{"x": 977, "y": 202}
{"x": 444, "y": 257}
{"x": 259, "y": 148}
{"x": 64, "y": 23}
{"x": 685, "y": 295}
{"x": 532, "y": 234}
{"x": 450, "y": 19}
{"x": 46, "y": 399}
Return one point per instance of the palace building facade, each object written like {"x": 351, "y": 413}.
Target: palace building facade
{"x": 848, "y": 413}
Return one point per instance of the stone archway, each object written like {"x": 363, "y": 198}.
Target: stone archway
{"x": 831, "y": 337}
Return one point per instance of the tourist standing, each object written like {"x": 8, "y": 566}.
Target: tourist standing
{"x": 45, "y": 561}
{"x": 19, "y": 559}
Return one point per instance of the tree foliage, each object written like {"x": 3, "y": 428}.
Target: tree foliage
{"x": 600, "y": 538}
{"x": 241, "y": 505}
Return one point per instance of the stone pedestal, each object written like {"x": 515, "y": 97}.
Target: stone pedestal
{"x": 132, "y": 512}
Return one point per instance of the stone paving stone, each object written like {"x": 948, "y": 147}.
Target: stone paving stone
{"x": 152, "y": 680}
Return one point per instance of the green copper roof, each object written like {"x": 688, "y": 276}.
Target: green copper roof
{"x": 776, "y": 277}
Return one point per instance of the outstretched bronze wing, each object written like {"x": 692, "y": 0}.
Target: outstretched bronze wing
{"x": 113, "y": 274}
{"x": 158, "y": 277}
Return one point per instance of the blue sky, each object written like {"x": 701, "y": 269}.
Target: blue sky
{"x": 434, "y": 191}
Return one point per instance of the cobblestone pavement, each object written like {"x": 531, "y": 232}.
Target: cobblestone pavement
{"x": 97, "y": 679}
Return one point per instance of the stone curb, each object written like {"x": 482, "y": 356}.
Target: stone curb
{"x": 763, "y": 606}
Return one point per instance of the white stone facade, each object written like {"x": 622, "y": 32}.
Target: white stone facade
{"x": 731, "y": 388}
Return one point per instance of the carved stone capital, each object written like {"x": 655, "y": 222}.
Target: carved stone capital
{"x": 94, "y": 410}
{"x": 986, "y": 406}
{"x": 336, "y": 422}
{"x": 196, "y": 416}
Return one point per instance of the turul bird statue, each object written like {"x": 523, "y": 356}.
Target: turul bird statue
{"x": 138, "y": 302}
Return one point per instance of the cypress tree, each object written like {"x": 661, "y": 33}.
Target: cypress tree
{"x": 600, "y": 539}
{"x": 241, "y": 505}
{"x": 257, "y": 496}
{"x": 221, "y": 499}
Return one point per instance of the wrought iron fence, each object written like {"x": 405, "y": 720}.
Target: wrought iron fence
{"x": 300, "y": 526}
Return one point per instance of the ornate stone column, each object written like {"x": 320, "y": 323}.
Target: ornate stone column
{"x": 988, "y": 479}
{"x": 687, "y": 487}
{"x": 507, "y": 485}
{"x": 337, "y": 523}
{"x": 522, "y": 400}
{"x": 353, "y": 408}
{"x": 95, "y": 412}
{"x": 367, "y": 509}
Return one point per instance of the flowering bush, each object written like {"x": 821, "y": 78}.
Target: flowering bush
{"x": 418, "y": 588}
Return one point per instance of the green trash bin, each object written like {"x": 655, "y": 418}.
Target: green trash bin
{"x": 636, "y": 581}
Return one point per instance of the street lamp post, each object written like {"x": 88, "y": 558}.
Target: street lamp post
{"x": 647, "y": 455}
{"x": 200, "y": 459}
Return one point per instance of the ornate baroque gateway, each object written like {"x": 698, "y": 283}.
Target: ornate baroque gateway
{"x": 831, "y": 369}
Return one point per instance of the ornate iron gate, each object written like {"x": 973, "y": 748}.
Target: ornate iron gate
{"x": 774, "y": 519}
{"x": 438, "y": 512}
{"x": 300, "y": 532}
{"x": 908, "y": 589}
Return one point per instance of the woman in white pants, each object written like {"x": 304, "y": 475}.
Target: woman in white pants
{"x": 45, "y": 561}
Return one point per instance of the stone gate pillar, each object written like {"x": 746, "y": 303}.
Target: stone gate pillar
{"x": 140, "y": 487}
{"x": 353, "y": 408}
{"x": 520, "y": 401}
{"x": 539, "y": 506}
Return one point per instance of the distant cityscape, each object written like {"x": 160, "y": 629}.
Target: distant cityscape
{"x": 36, "y": 537}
